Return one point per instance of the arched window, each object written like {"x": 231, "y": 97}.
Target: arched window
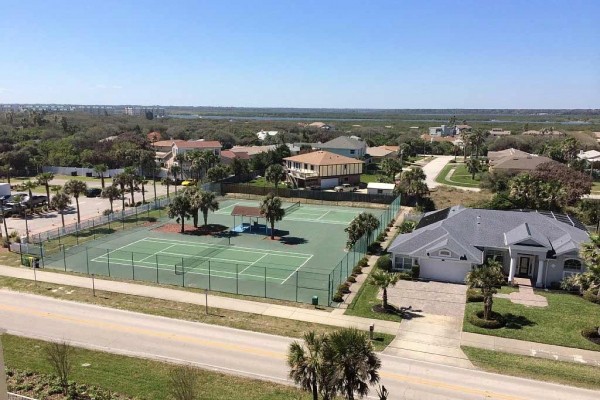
{"x": 572, "y": 264}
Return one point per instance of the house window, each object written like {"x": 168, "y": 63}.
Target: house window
{"x": 352, "y": 151}
{"x": 572, "y": 264}
{"x": 312, "y": 167}
{"x": 495, "y": 255}
{"x": 444, "y": 253}
{"x": 345, "y": 167}
{"x": 305, "y": 166}
{"x": 403, "y": 262}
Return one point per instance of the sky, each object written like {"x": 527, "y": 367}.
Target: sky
{"x": 302, "y": 53}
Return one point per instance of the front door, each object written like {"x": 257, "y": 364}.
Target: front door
{"x": 524, "y": 265}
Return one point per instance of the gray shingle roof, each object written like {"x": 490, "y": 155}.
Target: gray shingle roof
{"x": 467, "y": 232}
{"x": 343, "y": 142}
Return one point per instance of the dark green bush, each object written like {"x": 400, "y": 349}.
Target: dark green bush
{"x": 374, "y": 248}
{"x": 381, "y": 237}
{"x": 351, "y": 279}
{"x": 415, "y": 271}
{"x": 592, "y": 296}
{"x": 474, "y": 296}
{"x": 363, "y": 262}
{"x": 344, "y": 288}
{"x": 357, "y": 270}
{"x": 591, "y": 332}
{"x": 338, "y": 297}
{"x": 384, "y": 263}
{"x": 496, "y": 321}
{"x": 405, "y": 276}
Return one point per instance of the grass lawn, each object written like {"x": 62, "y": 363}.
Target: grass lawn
{"x": 596, "y": 188}
{"x": 368, "y": 178}
{"x": 567, "y": 373}
{"x": 460, "y": 176}
{"x": 262, "y": 182}
{"x": 363, "y": 303}
{"x": 560, "y": 323}
{"x": 138, "y": 378}
{"x": 184, "y": 311}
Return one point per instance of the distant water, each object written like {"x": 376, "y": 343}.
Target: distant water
{"x": 274, "y": 118}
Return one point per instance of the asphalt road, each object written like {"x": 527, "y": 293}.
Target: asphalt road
{"x": 244, "y": 353}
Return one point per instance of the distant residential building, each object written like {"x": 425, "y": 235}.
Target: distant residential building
{"x": 157, "y": 112}
{"x": 167, "y": 150}
{"x": 450, "y": 139}
{"x": 253, "y": 150}
{"x": 320, "y": 125}
{"x": 262, "y": 135}
{"x": 544, "y": 132}
{"x": 345, "y": 146}
{"x": 227, "y": 156}
{"x": 443, "y": 130}
{"x": 380, "y": 188}
{"x": 592, "y": 156}
{"x": 323, "y": 169}
{"x": 518, "y": 163}
{"x": 498, "y": 132}
{"x": 495, "y": 156}
{"x": 154, "y": 136}
{"x": 378, "y": 153}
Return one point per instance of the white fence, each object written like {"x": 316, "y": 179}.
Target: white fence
{"x": 89, "y": 172}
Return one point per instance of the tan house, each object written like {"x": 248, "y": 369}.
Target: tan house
{"x": 378, "y": 153}
{"x": 227, "y": 156}
{"x": 323, "y": 169}
{"x": 167, "y": 150}
{"x": 544, "y": 132}
{"x": 516, "y": 164}
{"x": 495, "y": 156}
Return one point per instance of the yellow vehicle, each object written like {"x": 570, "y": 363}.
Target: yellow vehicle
{"x": 188, "y": 183}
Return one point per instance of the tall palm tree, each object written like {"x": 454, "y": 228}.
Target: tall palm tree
{"x": 487, "y": 277}
{"x": 181, "y": 159}
{"x": 412, "y": 183}
{"x": 61, "y": 201}
{"x": 271, "y": 209}
{"x": 44, "y": 179}
{"x": 473, "y": 166}
{"x": 28, "y": 185}
{"x": 275, "y": 174}
{"x": 132, "y": 179}
{"x": 166, "y": 181}
{"x": 307, "y": 367}
{"x": 121, "y": 180}
{"x": 477, "y": 138}
{"x": 75, "y": 188}
{"x": 208, "y": 202}
{"x": 100, "y": 169}
{"x": 175, "y": 169}
{"x": 369, "y": 223}
{"x": 195, "y": 198}
{"x": 353, "y": 362}
{"x": 180, "y": 209}
{"x": 390, "y": 167}
{"x": 111, "y": 193}
{"x": 383, "y": 279}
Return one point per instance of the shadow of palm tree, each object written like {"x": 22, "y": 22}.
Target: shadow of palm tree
{"x": 513, "y": 321}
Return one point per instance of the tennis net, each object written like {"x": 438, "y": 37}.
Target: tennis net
{"x": 200, "y": 258}
{"x": 292, "y": 208}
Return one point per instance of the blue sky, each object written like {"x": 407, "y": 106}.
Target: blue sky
{"x": 303, "y": 53}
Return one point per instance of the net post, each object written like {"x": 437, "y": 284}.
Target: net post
{"x": 208, "y": 274}
{"x": 237, "y": 279}
{"x": 132, "y": 267}
{"x": 108, "y": 261}
{"x": 182, "y": 271}
{"x": 87, "y": 260}
{"x": 296, "y": 286}
{"x": 265, "y": 280}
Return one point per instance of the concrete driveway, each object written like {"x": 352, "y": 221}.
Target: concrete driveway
{"x": 431, "y": 328}
{"x": 433, "y": 168}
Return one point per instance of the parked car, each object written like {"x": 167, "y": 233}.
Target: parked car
{"x": 188, "y": 183}
{"x": 34, "y": 201}
{"x": 4, "y": 198}
{"x": 346, "y": 187}
{"x": 93, "y": 192}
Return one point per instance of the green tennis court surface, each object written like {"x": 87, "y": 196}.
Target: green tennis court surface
{"x": 308, "y": 258}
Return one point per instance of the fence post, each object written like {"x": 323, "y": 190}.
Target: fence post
{"x": 208, "y": 274}
{"x": 77, "y": 233}
{"x": 132, "y": 267}
{"x": 296, "y": 286}
{"x": 237, "y": 279}
{"x": 94, "y": 228}
{"x": 182, "y": 264}
{"x": 108, "y": 260}
{"x": 265, "y": 272}
{"x": 87, "y": 260}
{"x": 156, "y": 257}
{"x": 42, "y": 254}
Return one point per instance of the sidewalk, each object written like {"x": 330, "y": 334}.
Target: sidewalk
{"x": 532, "y": 349}
{"x": 228, "y": 303}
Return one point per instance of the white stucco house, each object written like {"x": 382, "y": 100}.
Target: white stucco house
{"x": 448, "y": 243}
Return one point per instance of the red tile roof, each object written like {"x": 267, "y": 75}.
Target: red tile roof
{"x": 323, "y": 158}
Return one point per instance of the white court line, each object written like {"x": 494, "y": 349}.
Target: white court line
{"x": 296, "y": 270}
{"x": 206, "y": 258}
{"x": 319, "y": 221}
{"x": 117, "y": 249}
{"x": 158, "y": 252}
{"x": 241, "y": 248}
{"x": 323, "y": 215}
{"x": 263, "y": 256}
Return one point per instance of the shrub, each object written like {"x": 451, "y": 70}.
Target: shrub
{"x": 381, "y": 237}
{"x": 152, "y": 219}
{"x": 351, "y": 279}
{"x": 496, "y": 322}
{"x": 474, "y": 296}
{"x": 592, "y": 296}
{"x": 591, "y": 332}
{"x": 415, "y": 271}
{"x": 407, "y": 227}
{"x": 374, "y": 248}
{"x": 453, "y": 161}
{"x": 338, "y": 297}
{"x": 384, "y": 263}
{"x": 555, "y": 285}
{"x": 106, "y": 212}
{"x": 344, "y": 288}
{"x": 363, "y": 262}
{"x": 405, "y": 276}
{"x": 357, "y": 270}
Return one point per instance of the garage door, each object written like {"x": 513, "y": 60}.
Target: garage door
{"x": 329, "y": 182}
{"x": 444, "y": 271}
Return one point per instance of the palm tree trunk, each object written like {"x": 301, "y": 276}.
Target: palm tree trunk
{"x": 273, "y": 229}
{"x": 111, "y": 204}
{"x": 195, "y": 217}
{"x": 78, "y": 216}
{"x": 102, "y": 179}
{"x": 182, "y": 223}
{"x": 385, "y": 299}
{"x": 47, "y": 192}
{"x": 143, "y": 194}
{"x": 132, "y": 196}
{"x": 315, "y": 392}
{"x": 205, "y": 215}
{"x": 168, "y": 189}
{"x": 62, "y": 216}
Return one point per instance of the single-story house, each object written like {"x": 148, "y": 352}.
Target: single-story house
{"x": 323, "y": 169}
{"x": 378, "y": 153}
{"x": 345, "y": 146}
{"x": 253, "y": 150}
{"x": 320, "y": 125}
{"x": 380, "y": 188}
{"x": 448, "y": 243}
{"x": 495, "y": 156}
{"x": 592, "y": 156}
{"x": 517, "y": 162}
{"x": 544, "y": 132}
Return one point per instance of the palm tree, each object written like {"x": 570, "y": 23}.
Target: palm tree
{"x": 180, "y": 158}
{"x": 208, "y": 202}
{"x": 131, "y": 178}
{"x": 44, "y": 179}
{"x": 369, "y": 223}
{"x": 271, "y": 209}
{"x": 390, "y": 167}
{"x": 473, "y": 166}
{"x": 195, "y": 198}
{"x": 56, "y": 188}
{"x": 61, "y": 201}
{"x": 100, "y": 169}
{"x": 307, "y": 367}
{"x": 180, "y": 209}
{"x": 218, "y": 173}
{"x": 353, "y": 363}
{"x": 166, "y": 181}
{"x": 590, "y": 279}
{"x": 274, "y": 174}
{"x": 75, "y": 188}
{"x": 477, "y": 137}
{"x": 175, "y": 169}
{"x": 121, "y": 180}
{"x": 486, "y": 277}
{"x": 111, "y": 193}
{"x": 383, "y": 279}
{"x": 29, "y": 186}
{"x": 355, "y": 231}
{"x": 412, "y": 183}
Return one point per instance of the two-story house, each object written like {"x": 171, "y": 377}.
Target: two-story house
{"x": 345, "y": 146}
{"x": 323, "y": 169}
